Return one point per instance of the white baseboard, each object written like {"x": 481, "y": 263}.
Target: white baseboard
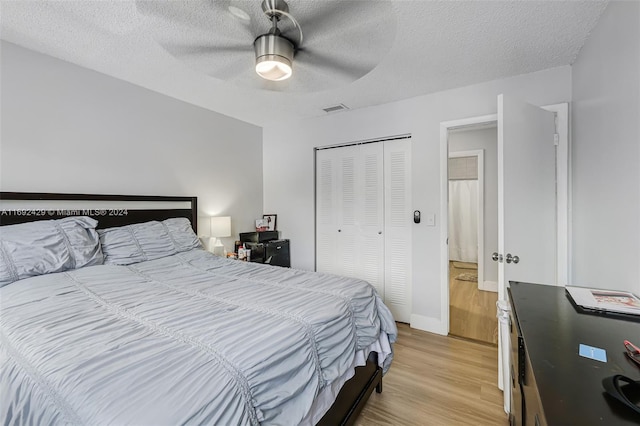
{"x": 488, "y": 286}
{"x": 432, "y": 325}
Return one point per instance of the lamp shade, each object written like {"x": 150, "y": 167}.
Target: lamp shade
{"x": 221, "y": 226}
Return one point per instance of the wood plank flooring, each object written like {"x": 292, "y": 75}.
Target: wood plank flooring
{"x": 437, "y": 380}
{"x": 472, "y": 312}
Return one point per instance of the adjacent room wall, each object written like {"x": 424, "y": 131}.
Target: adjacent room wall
{"x": 606, "y": 153}
{"x": 289, "y": 166}
{"x": 487, "y": 140}
{"x": 69, "y": 129}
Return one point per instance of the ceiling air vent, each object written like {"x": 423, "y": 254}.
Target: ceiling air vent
{"x": 335, "y": 108}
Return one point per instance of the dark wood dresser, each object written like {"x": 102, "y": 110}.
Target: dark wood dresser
{"x": 551, "y": 383}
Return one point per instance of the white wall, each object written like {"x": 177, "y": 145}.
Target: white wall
{"x": 289, "y": 165}
{"x": 606, "y": 153}
{"x": 69, "y": 129}
{"x": 487, "y": 140}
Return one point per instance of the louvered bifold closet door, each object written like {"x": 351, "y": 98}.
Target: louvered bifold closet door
{"x": 348, "y": 186}
{"x": 397, "y": 229}
{"x": 326, "y": 207}
{"x": 364, "y": 220}
{"x": 370, "y": 215}
{"x": 350, "y": 212}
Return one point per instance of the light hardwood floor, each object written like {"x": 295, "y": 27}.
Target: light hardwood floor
{"x": 472, "y": 312}
{"x": 437, "y": 380}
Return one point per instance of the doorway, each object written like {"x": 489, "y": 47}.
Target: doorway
{"x": 472, "y": 228}
{"x": 517, "y": 118}
{"x": 562, "y": 192}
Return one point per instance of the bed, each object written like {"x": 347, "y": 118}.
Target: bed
{"x": 118, "y": 316}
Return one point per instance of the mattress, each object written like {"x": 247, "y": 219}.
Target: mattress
{"x": 185, "y": 339}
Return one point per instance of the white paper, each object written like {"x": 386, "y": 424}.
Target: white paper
{"x": 605, "y": 300}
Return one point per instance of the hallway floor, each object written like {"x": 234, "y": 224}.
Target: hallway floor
{"x": 472, "y": 312}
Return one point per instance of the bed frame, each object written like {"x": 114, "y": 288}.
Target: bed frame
{"x": 106, "y": 217}
{"x": 355, "y": 392}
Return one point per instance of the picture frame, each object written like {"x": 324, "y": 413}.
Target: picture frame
{"x": 270, "y": 221}
{"x": 261, "y": 225}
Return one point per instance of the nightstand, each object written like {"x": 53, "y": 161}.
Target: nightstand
{"x": 274, "y": 252}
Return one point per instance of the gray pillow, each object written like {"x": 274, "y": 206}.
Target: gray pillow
{"x": 47, "y": 246}
{"x": 182, "y": 234}
{"x": 135, "y": 243}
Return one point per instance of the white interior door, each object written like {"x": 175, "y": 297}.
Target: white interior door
{"x": 526, "y": 206}
{"x": 526, "y": 194}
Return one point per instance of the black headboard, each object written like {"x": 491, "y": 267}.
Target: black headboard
{"x": 106, "y": 217}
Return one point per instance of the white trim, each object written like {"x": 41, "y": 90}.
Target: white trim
{"x": 479, "y": 154}
{"x": 488, "y": 286}
{"x": 563, "y": 231}
{"x": 501, "y": 250}
{"x": 432, "y": 325}
{"x": 469, "y": 122}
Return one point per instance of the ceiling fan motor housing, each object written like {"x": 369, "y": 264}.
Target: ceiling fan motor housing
{"x": 274, "y": 56}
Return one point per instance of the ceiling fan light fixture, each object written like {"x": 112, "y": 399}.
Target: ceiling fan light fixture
{"x": 274, "y": 69}
{"x": 274, "y": 57}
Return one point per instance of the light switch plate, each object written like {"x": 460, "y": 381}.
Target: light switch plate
{"x": 431, "y": 219}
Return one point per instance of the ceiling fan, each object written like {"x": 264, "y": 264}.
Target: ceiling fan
{"x": 274, "y": 52}
{"x": 343, "y": 39}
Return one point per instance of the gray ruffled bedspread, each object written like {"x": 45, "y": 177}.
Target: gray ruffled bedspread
{"x": 186, "y": 339}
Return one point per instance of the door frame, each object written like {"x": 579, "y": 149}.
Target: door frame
{"x": 563, "y": 182}
{"x": 479, "y": 154}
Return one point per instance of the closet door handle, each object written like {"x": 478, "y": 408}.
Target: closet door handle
{"x": 379, "y": 232}
{"x": 339, "y": 230}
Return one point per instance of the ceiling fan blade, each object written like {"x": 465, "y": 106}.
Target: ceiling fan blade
{"x": 203, "y": 34}
{"x": 336, "y": 18}
{"x": 180, "y": 50}
{"x": 323, "y": 13}
{"x": 352, "y": 70}
{"x": 243, "y": 75}
{"x": 174, "y": 13}
{"x": 235, "y": 71}
{"x": 360, "y": 34}
{"x": 170, "y": 20}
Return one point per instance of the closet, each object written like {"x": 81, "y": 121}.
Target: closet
{"x": 364, "y": 217}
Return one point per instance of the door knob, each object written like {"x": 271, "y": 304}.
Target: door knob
{"x": 514, "y": 259}
{"x": 496, "y": 257}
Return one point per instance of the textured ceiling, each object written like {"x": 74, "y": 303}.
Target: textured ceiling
{"x": 355, "y": 52}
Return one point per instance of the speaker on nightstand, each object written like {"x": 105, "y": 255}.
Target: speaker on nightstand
{"x": 277, "y": 253}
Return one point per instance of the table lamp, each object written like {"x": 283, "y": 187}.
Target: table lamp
{"x": 220, "y": 228}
